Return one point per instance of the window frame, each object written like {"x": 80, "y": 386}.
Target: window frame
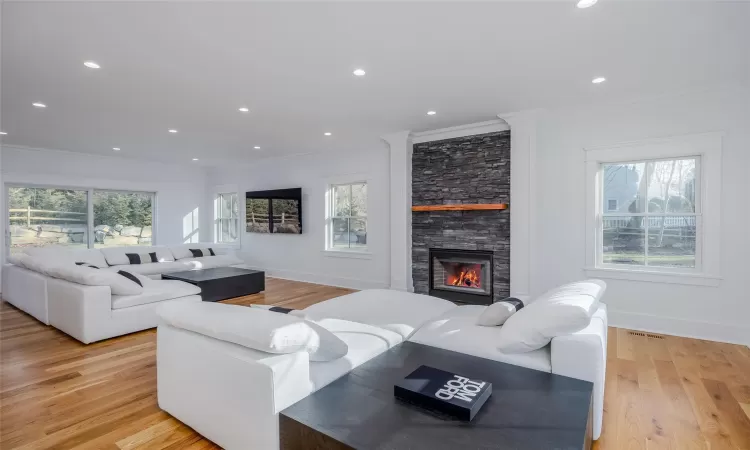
{"x": 706, "y": 148}
{"x": 218, "y": 219}
{"x": 351, "y": 252}
{"x": 90, "y": 242}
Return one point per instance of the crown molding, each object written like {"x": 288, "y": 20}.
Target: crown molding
{"x": 490, "y": 126}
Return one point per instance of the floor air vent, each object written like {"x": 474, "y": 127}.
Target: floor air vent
{"x": 638, "y": 333}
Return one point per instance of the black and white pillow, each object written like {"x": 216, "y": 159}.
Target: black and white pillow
{"x": 281, "y": 310}
{"x": 201, "y": 252}
{"x": 83, "y": 264}
{"x": 142, "y": 258}
{"x": 130, "y": 277}
{"x": 497, "y": 313}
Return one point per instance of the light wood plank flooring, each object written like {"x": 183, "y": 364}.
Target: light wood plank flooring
{"x": 55, "y": 393}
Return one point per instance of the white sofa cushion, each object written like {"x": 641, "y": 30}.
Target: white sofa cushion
{"x": 255, "y": 328}
{"x": 116, "y": 256}
{"x": 497, "y": 313}
{"x": 61, "y": 254}
{"x": 398, "y": 311}
{"x": 364, "y": 341}
{"x": 457, "y": 330}
{"x": 88, "y": 276}
{"x": 152, "y": 269}
{"x": 560, "y": 311}
{"x": 155, "y": 291}
{"x": 209, "y": 262}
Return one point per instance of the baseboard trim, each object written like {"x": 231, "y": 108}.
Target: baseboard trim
{"x": 350, "y": 283}
{"x": 710, "y": 331}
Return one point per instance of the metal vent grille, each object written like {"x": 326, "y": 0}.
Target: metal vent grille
{"x": 649, "y": 335}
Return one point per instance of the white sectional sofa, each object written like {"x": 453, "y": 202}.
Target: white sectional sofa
{"x": 231, "y": 392}
{"x": 91, "y": 312}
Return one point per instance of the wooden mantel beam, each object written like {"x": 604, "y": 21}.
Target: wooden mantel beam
{"x": 464, "y": 207}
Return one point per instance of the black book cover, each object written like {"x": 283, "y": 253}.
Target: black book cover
{"x": 444, "y": 392}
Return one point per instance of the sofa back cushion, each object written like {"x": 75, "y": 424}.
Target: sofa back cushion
{"x": 62, "y": 254}
{"x": 117, "y": 256}
{"x": 88, "y": 276}
{"x": 558, "y": 312}
{"x": 255, "y": 328}
{"x": 182, "y": 251}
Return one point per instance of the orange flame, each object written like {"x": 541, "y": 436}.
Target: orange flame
{"x": 465, "y": 278}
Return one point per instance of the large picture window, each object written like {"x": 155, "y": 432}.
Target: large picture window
{"x": 651, "y": 214}
{"x": 49, "y": 216}
{"x": 347, "y": 217}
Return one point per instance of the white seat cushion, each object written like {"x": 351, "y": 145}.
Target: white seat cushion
{"x": 156, "y": 291}
{"x": 398, "y": 311}
{"x": 154, "y": 268}
{"x": 209, "y": 262}
{"x": 457, "y": 330}
{"x": 364, "y": 341}
{"x": 61, "y": 255}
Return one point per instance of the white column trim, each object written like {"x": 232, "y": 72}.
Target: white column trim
{"x": 400, "y": 150}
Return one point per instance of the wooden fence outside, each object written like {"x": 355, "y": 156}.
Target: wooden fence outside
{"x": 28, "y": 216}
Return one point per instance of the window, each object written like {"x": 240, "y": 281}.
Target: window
{"x": 122, "y": 219}
{"x": 44, "y": 217}
{"x": 227, "y": 217}
{"x": 653, "y": 210}
{"x": 660, "y": 218}
{"x": 347, "y": 217}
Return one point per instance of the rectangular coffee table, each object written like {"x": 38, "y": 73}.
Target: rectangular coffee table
{"x": 528, "y": 409}
{"x": 222, "y": 283}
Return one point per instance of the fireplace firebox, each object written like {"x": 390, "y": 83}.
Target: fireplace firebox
{"x": 463, "y": 276}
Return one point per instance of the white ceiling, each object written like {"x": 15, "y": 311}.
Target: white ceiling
{"x": 190, "y": 66}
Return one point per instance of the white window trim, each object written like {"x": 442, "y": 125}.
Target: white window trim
{"x": 354, "y": 253}
{"x": 228, "y": 189}
{"x": 708, "y": 147}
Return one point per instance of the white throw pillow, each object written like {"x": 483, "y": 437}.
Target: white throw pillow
{"x": 497, "y": 313}
{"x": 561, "y": 311}
{"x": 255, "y": 328}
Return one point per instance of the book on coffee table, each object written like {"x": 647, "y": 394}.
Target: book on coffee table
{"x": 444, "y": 392}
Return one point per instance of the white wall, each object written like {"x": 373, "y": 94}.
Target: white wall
{"x": 721, "y": 313}
{"x": 180, "y": 190}
{"x": 301, "y": 257}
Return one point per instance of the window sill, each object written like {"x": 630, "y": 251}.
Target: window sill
{"x": 353, "y": 254}
{"x": 691, "y": 279}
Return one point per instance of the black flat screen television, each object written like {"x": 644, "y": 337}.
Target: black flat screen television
{"x": 275, "y": 211}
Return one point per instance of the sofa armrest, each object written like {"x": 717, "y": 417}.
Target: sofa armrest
{"x": 583, "y": 355}
{"x": 26, "y": 290}
{"x": 78, "y": 310}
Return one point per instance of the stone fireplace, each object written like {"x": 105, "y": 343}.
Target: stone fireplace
{"x": 461, "y": 255}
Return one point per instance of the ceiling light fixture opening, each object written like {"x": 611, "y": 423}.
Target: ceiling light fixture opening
{"x": 327, "y": 133}
{"x": 586, "y": 3}
{"x": 257, "y": 147}
{"x": 3, "y": 133}
{"x": 195, "y": 159}
{"x": 243, "y": 109}
{"x": 598, "y": 80}
{"x": 39, "y": 105}
{"x": 431, "y": 113}
{"x": 173, "y": 130}
{"x": 117, "y": 149}
{"x": 359, "y": 72}
{"x": 91, "y": 65}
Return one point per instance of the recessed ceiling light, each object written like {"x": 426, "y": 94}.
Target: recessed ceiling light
{"x": 91, "y": 65}
{"x": 598, "y": 80}
{"x": 195, "y": 159}
{"x": 256, "y": 147}
{"x": 327, "y": 133}
{"x": 39, "y": 105}
{"x": 117, "y": 149}
{"x": 3, "y": 133}
{"x": 359, "y": 72}
{"x": 431, "y": 113}
{"x": 173, "y": 130}
{"x": 586, "y": 3}
{"x": 243, "y": 109}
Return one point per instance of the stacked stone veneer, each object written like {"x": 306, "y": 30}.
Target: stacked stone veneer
{"x": 465, "y": 170}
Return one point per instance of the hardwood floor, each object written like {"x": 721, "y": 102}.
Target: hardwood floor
{"x": 56, "y": 393}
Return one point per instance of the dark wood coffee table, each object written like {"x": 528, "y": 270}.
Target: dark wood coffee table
{"x": 528, "y": 409}
{"x": 221, "y": 283}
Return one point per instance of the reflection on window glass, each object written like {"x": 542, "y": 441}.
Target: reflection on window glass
{"x": 122, "y": 218}
{"x": 47, "y": 217}
{"x": 348, "y": 223}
